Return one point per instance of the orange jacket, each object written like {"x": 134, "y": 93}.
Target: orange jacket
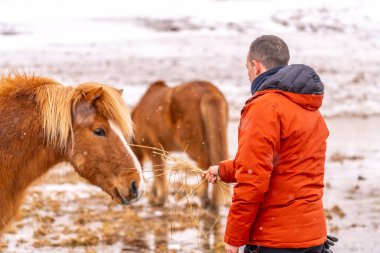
{"x": 278, "y": 170}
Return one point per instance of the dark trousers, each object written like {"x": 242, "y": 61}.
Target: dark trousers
{"x": 260, "y": 249}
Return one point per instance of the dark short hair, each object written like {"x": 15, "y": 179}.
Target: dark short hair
{"x": 270, "y": 50}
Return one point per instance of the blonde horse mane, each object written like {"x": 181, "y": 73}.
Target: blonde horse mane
{"x": 57, "y": 102}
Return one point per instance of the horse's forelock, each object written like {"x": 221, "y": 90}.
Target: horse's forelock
{"x": 111, "y": 106}
{"x": 57, "y": 102}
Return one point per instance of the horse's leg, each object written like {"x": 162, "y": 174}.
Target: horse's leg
{"x": 161, "y": 236}
{"x": 160, "y": 188}
{"x": 203, "y": 163}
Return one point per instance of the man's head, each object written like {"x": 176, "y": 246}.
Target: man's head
{"x": 266, "y": 52}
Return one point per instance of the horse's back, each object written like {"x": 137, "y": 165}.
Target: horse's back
{"x": 187, "y": 97}
{"x": 200, "y": 112}
{"x": 152, "y": 116}
{"x": 175, "y": 118}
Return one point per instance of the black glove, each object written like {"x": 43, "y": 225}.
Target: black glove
{"x": 331, "y": 240}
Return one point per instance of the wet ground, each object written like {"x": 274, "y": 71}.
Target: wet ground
{"x": 75, "y": 216}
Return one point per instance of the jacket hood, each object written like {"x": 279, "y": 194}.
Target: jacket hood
{"x": 299, "y": 83}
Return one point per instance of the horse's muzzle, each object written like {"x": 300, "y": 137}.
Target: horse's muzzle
{"x": 134, "y": 194}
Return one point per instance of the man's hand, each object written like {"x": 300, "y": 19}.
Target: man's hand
{"x": 231, "y": 249}
{"x": 331, "y": 240}
{"x": 211, "y": 174}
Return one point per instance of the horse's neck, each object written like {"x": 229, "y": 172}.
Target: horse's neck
{"x": 24, "y": 155}
{"x": 23, "y": 148}
{"x": 17, "y": 176}
{"x": 25, "y": 167}
{"x": 37, "y": 165}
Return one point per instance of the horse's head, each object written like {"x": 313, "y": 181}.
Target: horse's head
{"x": 100, "y": 153}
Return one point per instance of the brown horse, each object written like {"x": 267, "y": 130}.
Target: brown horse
{"x": 191, "y": 117}
{"x": 43, "y": 123}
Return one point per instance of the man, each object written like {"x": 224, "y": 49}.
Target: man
{"x": 279, "y": 166}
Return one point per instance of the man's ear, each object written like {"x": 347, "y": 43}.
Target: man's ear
{"x": 258, "y": 67}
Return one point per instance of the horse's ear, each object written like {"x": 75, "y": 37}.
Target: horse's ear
{"x": 119, "y": 91}
{"x": 91, "y": 97}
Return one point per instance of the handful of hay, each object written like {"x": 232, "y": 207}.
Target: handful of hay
{"x": 178, "y": 167}
{"x": 181, "y": 167}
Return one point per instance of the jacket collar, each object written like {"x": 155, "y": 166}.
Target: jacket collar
{"x": 310, "y": 102}
{"x": 262, "y": 78}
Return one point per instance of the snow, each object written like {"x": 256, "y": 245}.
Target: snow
{"x": 129, "y": 43}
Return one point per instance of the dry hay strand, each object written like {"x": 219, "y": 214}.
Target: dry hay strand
{"x": 185, "y": 171}
{"x": 178, "y": 164}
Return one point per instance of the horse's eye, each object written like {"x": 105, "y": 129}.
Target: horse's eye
{"x": 99, "y": 132}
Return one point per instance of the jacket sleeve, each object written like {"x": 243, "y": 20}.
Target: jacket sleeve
{"x": 259, "y": 141}
{"x": 227, "y": 171}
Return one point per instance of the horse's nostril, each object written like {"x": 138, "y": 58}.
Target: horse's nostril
{"x": 134, "y": 189}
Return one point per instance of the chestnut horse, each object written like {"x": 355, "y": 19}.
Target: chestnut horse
{"x": 43, "y": 123}
{"x": 191, "y": 117}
